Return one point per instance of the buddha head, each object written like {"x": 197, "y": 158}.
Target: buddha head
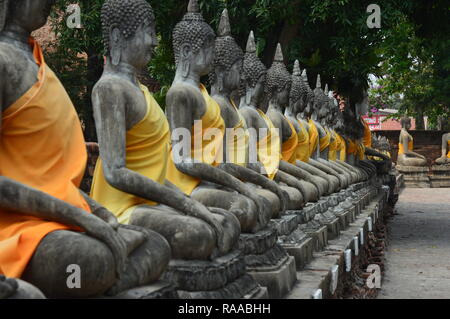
{"x": 129, "y": 32}
{"x": 229, "y": 59}
{"x": 309, "y": 100}
{"x": 194, "y": 43}
{"x": 362, "y": 107}
{"x": 320, "y": 101}
{"x": 278, "y": 86}
{"x": 253, "y": 78}
{"x": 298, "y": 95}
{"x": 406, "y": 122}
{"x": 30, "y": 15}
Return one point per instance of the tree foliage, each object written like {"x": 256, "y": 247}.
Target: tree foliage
{"x": 410, "y": 53}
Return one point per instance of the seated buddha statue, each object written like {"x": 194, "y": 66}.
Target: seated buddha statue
{"x": 134, "y": 141}
{"x": 304, "y": 103}
{"x": 406, "y": 154}
{"x": 225, "y": 79}
{"x": 197, "y": 130}
{"x": 278, "y": 89}
{"x": 46, "y": 222}
{"x": 445, "y": 158}
{"x": 296, "y": 101}
{"x": 268, "y": 144}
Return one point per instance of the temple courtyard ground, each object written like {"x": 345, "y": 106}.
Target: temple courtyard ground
{"x": 418, "y": 255}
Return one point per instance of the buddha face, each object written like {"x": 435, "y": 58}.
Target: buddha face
{"x": 31, "y": 14}
{"x": 138, "y": 49}
{"x": 202, "y": 62}
{"x": 232, "y": 77}
{"x": 282, "y": 96}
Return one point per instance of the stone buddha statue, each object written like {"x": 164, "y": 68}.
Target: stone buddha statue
{"x": 319, "y": 145}
{"x": 267, "y": 136}
{"x": 46, "y": 222}
{"x": 130, "y": 175}
{"x": 296, "y": 105}
{"x": 194, "y": 116}
{"x": 278, "y": 89}
{"x": 406, "y": 154}
{"x": 225, "y": 79}
{"x": 445, "y": 158}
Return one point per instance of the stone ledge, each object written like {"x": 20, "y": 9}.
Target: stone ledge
{"x": 318, "y": 274}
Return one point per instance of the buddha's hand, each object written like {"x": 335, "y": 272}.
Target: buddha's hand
{"x": 104, "y": 232}
{"x": 264, "y": 212}
{"x": 8, "y": 287}
{"x": 284, "y": 199}
{"x": 200, "y": 211}
{"x": 107, "y": 217}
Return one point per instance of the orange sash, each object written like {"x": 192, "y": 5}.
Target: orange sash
{"x": 288, "y": 149}
{"x": 302, "y": 153}
{"x": 401, "y": 150}
{"x": 269, "y": 149}
{"x": 42, "y": 146}
{"x": 332, "y": 154}
{"x": 367, "y": 140}
{"x": 206, "y": 145}
{"x": 313, "y": 137}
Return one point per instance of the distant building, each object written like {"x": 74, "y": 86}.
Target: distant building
{"x": 379, "y": 122}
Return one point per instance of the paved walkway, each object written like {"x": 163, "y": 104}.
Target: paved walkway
{"x": 418, "y": 256}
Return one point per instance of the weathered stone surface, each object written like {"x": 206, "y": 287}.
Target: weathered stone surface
{"x": 302, "y": 252}
{"x": 259, "y": 243}
{"x": 280, "y": 280}
{"x": 157, "y": 290}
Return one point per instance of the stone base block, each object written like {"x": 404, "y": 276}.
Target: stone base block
{"x": 157, "y": 290}
{"x": 285, "y": 225}
{"x": 279, "y": 280}
{"x": 203, "y": 275}
{"x": 345, "y": 219}
{"x": 244, "y": 287}
{"x": 319, "y": 237}
{"x": 440, "y": 181}
{"x": 302, "y": 252}
{"x": 410, "y": 170}
{"x": 333, "y": 229}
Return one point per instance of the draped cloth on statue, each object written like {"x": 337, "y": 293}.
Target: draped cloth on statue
{"x": 341, "y": 147}
{"x": 332, "y": 153}
{"x": 206, "y": 145}
{"x": 401, "y": 149}
{"x": 448, "y": 147}
{"x": 352, "y": 147}
{"x": 238, "y": 142}
{"x": 147, "y": 152}
{"x": 325, "y": 141}
{"x": 313, "y": 137}
{"x": 269, "y": 148}
{"x": 289, "y": 148}
{"x": 42, "y": 146}
{"x": 360, "y": 151}
{"x": 302, "y": 153}
{"x": 367, "y": 139}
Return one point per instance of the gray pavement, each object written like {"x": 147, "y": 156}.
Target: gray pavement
{"x": 418, "y": 254}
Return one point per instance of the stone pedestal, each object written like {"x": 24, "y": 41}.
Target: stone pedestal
{"x": 440, "y": 177}
{"x": 224, "y": 278}
{"x": 333, "y": 229}
{"x": 415, "y": 176}
{"x": 158, "y": 290}
{"x": 319, "y": 237}
{"x": 279, "y": 279}
{"x": 267, "y": 261}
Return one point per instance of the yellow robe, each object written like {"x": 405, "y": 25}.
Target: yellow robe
{"x": 302, "y": 152}
{"x": 237, "y": 147}
{"x": 367, "y": 140}
{"x": 360, "y": 151}
{"x": 401, "y": 150}
{"x": 206, "y": 145}
{"x": 325, "y": 141}
{"x": 341, "y": 147}
{"x": 352, "y": 148}
{"x": 269, "y": 148}
{"x": 289, "y": 148}
{"x": 332, "y": 153}
{"x": 42, "y": 146}
{"x": 448, "y": 147}
{"x": 313, "y": 137}
{"x": 147, "y": 152}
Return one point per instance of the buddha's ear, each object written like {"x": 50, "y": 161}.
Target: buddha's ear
{"x": 3, "y": 12}
{"x": 115, "y": 44}
{"x": 185, "y": 54}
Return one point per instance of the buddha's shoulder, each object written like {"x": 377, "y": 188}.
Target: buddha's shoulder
{"x": 113, "y": 84}
{"x": 182, "y": 90}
